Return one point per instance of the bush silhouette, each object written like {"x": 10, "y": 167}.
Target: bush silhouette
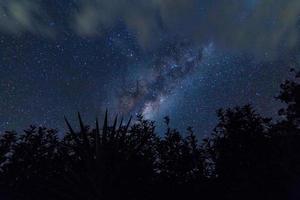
{"x": 247, "y": 156}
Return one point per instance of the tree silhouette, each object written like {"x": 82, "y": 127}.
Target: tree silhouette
{"x": 180, "y": 164}
{"x": 242, "y": 150}
{"x": 30, "y": 162}
{"x": 247, "y": 156}
{"x": 286, "y": 134}
{"x": 290, "y": 94}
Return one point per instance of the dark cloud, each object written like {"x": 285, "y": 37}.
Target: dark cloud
{"x": 20, "y": 16}
{"x": 259, "y": 26}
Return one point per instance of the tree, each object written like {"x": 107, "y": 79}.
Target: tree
{"x": 247, "y": 156}
{"x": 240, "y": 149}
{"x": 290, "y": 94}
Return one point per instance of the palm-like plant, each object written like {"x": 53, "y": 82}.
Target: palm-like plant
{"x": 110, "y": 159}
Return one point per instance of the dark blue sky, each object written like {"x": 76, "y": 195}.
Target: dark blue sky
{"x": 179, "y": 58}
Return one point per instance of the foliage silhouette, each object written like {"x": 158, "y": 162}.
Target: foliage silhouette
{"x": 247, "y": 156}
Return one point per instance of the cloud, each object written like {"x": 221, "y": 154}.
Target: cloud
{"x": 95, "y": 17}
{"x": 20, "y": 16}
{"x": 264, "y": 25}
{"x": 258, "y": 25}
{"x": 147, "y": 18}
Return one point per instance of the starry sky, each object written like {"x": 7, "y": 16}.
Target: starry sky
{"x": 181, "y": 58}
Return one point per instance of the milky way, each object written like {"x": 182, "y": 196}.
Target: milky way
{"x": 181, "y": 58}
{"x": 158, "y": 82}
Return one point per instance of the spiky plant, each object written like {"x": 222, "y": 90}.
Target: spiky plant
{"x": 103, "y": 161}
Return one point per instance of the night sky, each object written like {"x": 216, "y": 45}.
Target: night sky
{"x": 181, "y": 58}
